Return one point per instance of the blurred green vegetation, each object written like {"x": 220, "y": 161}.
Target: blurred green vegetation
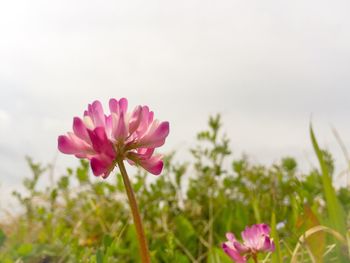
{"x": 186, "y": 211}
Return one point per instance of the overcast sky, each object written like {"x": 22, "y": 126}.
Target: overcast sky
{"x": 266, "y": 66}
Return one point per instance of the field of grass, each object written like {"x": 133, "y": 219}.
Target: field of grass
{"x": 186, "y": 211}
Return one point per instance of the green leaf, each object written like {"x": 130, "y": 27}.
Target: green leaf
{"x": 2, "y": 237}
{"x": 255, "y": 204}
{"x": 217, "y": 255}
{"x": 185, "y": 233}
{"x": 335, "y": 211}
{"x": 99, "y": 256}
{"x": 180, "y": 258}
{"x": 63, "y": 183}
{"x": 315, "y": 242}
{"x": 185, "y": 228}
{"x": 24, "y": 249}
{"x": 276, "y": 256}
{"x": 107, "y": 241}
{"x": 82, "y": 175}
{"x": 120, "y": 183}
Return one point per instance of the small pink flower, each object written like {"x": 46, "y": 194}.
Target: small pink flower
{"x": 255, "y": 239}
{"x": 103, "y": 139}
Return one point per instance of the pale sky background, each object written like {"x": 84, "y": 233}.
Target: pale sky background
{"x": 266, "y": 66}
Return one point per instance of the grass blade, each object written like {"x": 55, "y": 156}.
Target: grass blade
{"x": 312, "y": 231}
{"x": 335, "y": 211}
{"x": 276, "y": 256}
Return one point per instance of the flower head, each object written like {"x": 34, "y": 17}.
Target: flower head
{"x": 255, "y": 239}
{"x": 121, "y": 135}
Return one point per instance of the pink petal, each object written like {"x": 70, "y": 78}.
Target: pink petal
{"x": 71, "y": 144}
{"x": 118, "y": 106}
{"x": 66, "y": 145}
{"x": 109, "y": 126}
{"x": 150, "y": 116}
{"x": 80, "y": 129}
{"x": 154, "y": 165}
{"x": 95, "y": 111}
{"x": 144, "y": 122}
{"x": 251, "y": 236}
{"x": 114, "y": 106}
{"x": 254, "y": 236}
{"x": 141, "y": 154}
{"x": 230, "y": 236}
{"x": 100, "y": 165}
{"x": 135, "y": 119}
{"x": 144, "y": 153}
{"x": 156, "y": 137}
{"x": 123, "y": 105}
{"x": 100, "y": 142}
{"x": 264, "y": 229}
{"x": 233, "y": 254}
{"x": 120, "y": 130}
{"x": 268, "y": 245}
{"x": 240, "y": 247}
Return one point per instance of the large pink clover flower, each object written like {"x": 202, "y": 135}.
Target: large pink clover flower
{"x": 104, "y": 139}
{"x": 255, "y": 239}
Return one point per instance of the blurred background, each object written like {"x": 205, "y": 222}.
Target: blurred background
{"x": 269, "y": 67}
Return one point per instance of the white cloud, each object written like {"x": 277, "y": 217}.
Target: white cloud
{"x": 4, "y": 118}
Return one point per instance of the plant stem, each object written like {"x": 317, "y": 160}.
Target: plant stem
{"x": 145, "y": 257}
{"x": 255, "y": 258}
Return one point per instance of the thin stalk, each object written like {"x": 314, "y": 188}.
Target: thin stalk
{"x": 145, "y": 257}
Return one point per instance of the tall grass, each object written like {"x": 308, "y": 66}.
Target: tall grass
{"x": 186, "y": 211}
{"x": 335, "y": 210}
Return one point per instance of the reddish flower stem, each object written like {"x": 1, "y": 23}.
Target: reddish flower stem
{"x": 145, "y": 257}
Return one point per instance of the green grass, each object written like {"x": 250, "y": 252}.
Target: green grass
{"x": 186, "y": 211}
